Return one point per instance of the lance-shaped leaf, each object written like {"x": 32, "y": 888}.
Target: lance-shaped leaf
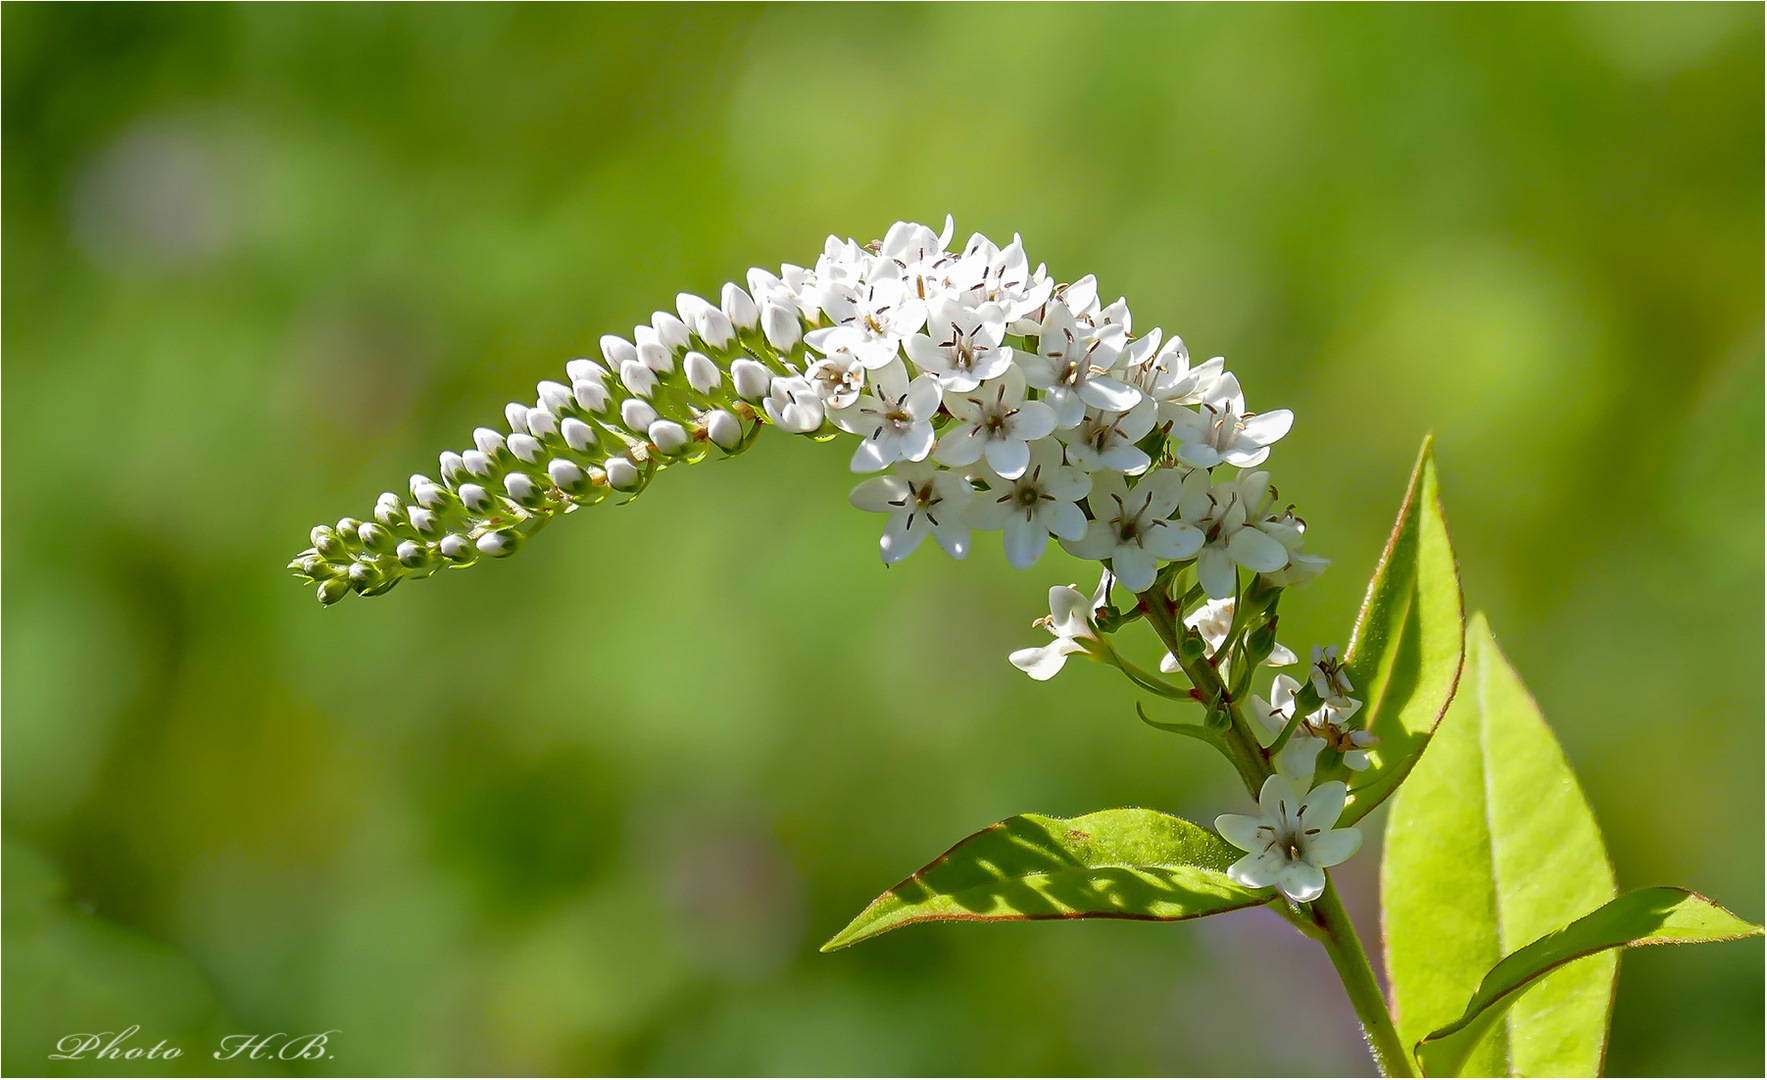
{"x": 1112, "y": 864}
{"x": 1405, "y": 654}
{"x": 1492, "y": 845}
{"x": 1643, "y": 917}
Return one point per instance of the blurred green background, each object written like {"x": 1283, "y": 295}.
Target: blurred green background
{"x": 592, "y": 809}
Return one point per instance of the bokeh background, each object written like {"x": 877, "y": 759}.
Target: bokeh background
{"x": 592, "y": 809}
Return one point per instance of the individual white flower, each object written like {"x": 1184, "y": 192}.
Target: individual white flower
{"x": 1106, "y": 440}
{"x": 1290, "y": 531}
{"x": 870, "y": 316}
{"x": 894, "y": 420}
{"x": 1070, "y": 620}
{"x": 919, "y": 252}
{"x": 1168, "y": 378}
{"x": 792, "y": 404}
{"x": 1223, "y": 431}
{"x": 1214, "y": 621}
{"x": 1132, "y": 528}
{"x": 1274, "y": 715}
{"x": 839, "y": 378}
{"x": 1220, "y": 512}
{"x": 921, "y": 499}
{"x": 1074, "y": 365}
{"x": 1040, "y": 501}
{"x": 995, "y": 421}
{"x": 1329, "y": 676}
{"x": 987, "y": 273}
{"x": 1292, "y": 841}
{"x": 962, "y": 346}
{"x": 1326, "y": 727}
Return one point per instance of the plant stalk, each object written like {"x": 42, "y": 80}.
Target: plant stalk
{"x": 1241, "y": 745}
{"x": 1351, "y": 960}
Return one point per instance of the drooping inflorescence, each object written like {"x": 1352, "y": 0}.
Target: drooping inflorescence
{"x": 995, "y": 398}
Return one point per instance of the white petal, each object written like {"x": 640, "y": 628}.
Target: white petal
{"x": 1100, "y": 540}
{"x": 1240, "y": 831}
{"x": 1333, "y": 847}
{"x": 902, "y": 535}
{"x": 1135, "y": 567}
{"x": 1064, "y": 519}
{"x": 917, "y": 442}
{"x": 1303, "y": 882}
{"x": 1257, "y": 551}
{"x": 1010, "y": 458}
{"x": 1033, "y": 421}
{"x": 1266, "y": 428}
{"x": 1024, "y": 541}
{"x": 1324, "y": 804}
{"x": 962, "y": 444}
{"x": 1169, "y": 664}
{"x": 1043, "y": 662}
{"x": 1104, "y": 392}
{"x": 1216, "y": 571}
{"x": 1174, "y": 540}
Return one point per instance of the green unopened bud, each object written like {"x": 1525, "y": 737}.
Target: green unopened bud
{"x": 457, "y": 548}
{"x": 326, "y": 542}
{"x": 346, "y": 527}
{"x": 1191, "y": 648}
{"x": 389, "y": 509}
{"x": 499, "y": 544}
{"x": 333, "y": 590}
{"x": 376, "y": 538}
{"x": 364, "y": 575}
{"x": 1218, "y": 720}
{"x": 413, "y": 555}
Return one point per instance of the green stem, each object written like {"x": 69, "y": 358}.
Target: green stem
{"x": 1241, "y": 745}
{"x": 1351, "y": 961}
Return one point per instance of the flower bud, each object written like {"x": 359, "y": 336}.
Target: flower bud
{"x": 723, "y": 429}
{"x": 793, "y": 406}
{"x": 751, "y": 379}
{"x": 499, "y": 544}
{"x": 364, "y": 576}
{"x": 475, "y": 497}
{"x": 636, "y": 414}
{"x": 333, "y": 590}
{"x": 346, "y": 528}
{"x": 584, "y": 369}
{"x": 672, "y": 332}
{"x": 456, "y": 547}
{"x": 1192, "y": 647}
{"x": 578, "y": 435}
{"x": 520, "y": 486}
{"x": 553, "y": 396}
{"x": 389, "y": 509}
{"x": 517, "y": 415}
{"x": 702, "y": 374}
{"x": 638, "y": 378}
{"x": 428, "y": 495}
{"x": 617, "y": 350}
{"x": 652, "y": 353}
{"x": 763, "y": 283}
{"x": 566, "y": 474}
{"x": 525, "y": 447}
{"x": 325, "y": 540}
{"x": 591, "y": 394}
{"x": 691, "y": 308}
{"x": 541, "y": 423}
{"x": 489, "y": 442}
{"x": 422, "y": 520}
{"x": 375, "y": 537}
{"x": 412, "y": 555}
{"x": 452, "y": 466}
{"x": 477, "y": 462}
{"x": 314, "y": 566}
{"x": 667, "y": 435}
{"x": 780, "y": 324}
{"x": 622, "y": 475}
{"x": 715, "y": 328}
{"x": 738, "y": 307}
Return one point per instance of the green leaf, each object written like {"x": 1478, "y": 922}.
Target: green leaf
{"x": 1642, "y": 917}
{"x": 1492, "y": 845}
{"x": 1405, "y": 654}
{"x": 1112, "y": 864}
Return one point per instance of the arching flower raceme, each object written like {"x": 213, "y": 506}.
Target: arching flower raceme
{"x": 949, "y": 366}
{"x": 1292, "y": 841}
{"x": 1039, "y": 502}
{"x": 922, "y": 500}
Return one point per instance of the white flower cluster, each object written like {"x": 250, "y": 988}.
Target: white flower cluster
{"x": 985, "y": 394}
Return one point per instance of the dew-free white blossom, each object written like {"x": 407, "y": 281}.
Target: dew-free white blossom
{"x": 995, "y": 421}
{"x": 1070, "y": 619}
{"x": 1133, "y": 528}
{"x": 1040, "y": 501}
{"x": 1106, "y": 440}
{"x": 1329, "y": 676}
{"x": 1292, "y": 841}
{"x": 962, "y": 345}
{"x": 1222, "y": 431}
{"x": 871, "y": 316}
{"x": 894, "y": 421}
{"x": 1220, "y": 513}
{"x": 1214, "y": 621}
{"x": 922, "y": 500}
{"x": 1075, "y": 366}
